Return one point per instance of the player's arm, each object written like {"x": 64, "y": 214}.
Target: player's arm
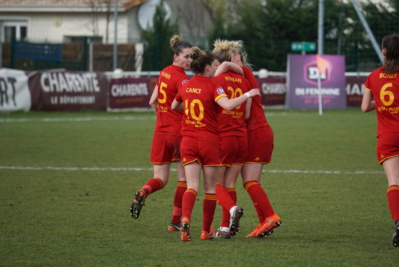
{"x": 176, "y": 105}
{"x": 248, "y": 108}
{"x": 368, "y": 104}
{"x": 229, "y": 66}
{"x": 154, "y": 99}
{"x": 230, "y": 104}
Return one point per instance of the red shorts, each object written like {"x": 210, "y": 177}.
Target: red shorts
{"x": 234, "y": 150}
{"x": 387, "y": 146}
{"x": 260, "y": 145}
{"x": 205, "y": 152}
{"x": 165, "y": 148}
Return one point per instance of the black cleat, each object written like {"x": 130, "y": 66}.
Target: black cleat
{"x": 395, "y": 237}
{"x": 138, "y": 203}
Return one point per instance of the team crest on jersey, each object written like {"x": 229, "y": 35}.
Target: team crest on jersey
{"x": 183, "y": 82}
{"x": 221, "y": 91}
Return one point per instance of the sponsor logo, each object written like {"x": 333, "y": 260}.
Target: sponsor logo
{"x": 221, "y": 91}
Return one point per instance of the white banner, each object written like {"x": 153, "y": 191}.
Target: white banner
{"x": 14, "y": 91}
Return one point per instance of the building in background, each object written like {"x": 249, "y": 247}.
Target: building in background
{"x": 68, "y": 21}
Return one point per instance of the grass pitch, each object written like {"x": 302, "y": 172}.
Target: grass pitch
{"x": 67, "y": 181}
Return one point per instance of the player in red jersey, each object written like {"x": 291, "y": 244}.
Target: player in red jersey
{"x": 234, "y": 144}
{"x": 260, "y": 148}
{"x": 167, "y": 137}
{"x": 200, "y": 98}
{"x": 382, "y": 95}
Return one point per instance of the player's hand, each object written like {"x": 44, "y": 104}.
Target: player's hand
{"x": 254, "y": 92}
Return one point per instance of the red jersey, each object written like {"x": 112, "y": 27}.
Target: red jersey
{"x": 169, "y": 83}
{"x": 385, "y": 90}
{"x": 199, "y": 96}
{"x": 257, "y": 118}
{"x": 232, "y": 122}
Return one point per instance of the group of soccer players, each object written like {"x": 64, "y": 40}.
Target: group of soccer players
{"x": 215, "y": 125}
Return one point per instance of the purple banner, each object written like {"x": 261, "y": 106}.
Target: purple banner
{"x": 273, "y": 90}
{"x": 68, "y": 91}
{"x": 355, "y": 90}
{"x": 303, "y": 85}
{"x": 128, "y": 93}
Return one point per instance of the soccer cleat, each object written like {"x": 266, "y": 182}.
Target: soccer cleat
{"x": 138, "y": 203}
{"x": 235, "y": 220}
{"x": 208, "y": 236}
{"x": 185, "y": 230}
{"x": 268, "y": 225}
{"x": 174, "y": 227}
{"x": 395, "y": 237}
{"x": 255, "y": 231}
{"x": 223, "y": 234}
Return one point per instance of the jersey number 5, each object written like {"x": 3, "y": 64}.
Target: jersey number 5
{"x": 162, "y": 95}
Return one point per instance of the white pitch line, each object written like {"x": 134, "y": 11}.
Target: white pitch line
{"x": 23, "y": 168}
{"x": 128, "y": 118}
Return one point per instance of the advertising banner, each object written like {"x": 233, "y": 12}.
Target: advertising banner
{"x": 309, "y": 75}
{"x": 273, "y": 90}
{"x": 355, "y": 90}
{"x": 14, "y": 90}
{"x": 68, "y": 91}
{"x": 129, "y": 93}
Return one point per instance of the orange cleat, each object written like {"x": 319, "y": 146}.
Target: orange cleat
{"x": 268, "y": 225}
{"x": 208, "y": 236}
{"x": 185, "y": 230}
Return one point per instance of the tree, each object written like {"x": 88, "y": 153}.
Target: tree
{"x": 269, "y": 27}
{"x": 101, "y": 6}
{"x": 157, "y": 53}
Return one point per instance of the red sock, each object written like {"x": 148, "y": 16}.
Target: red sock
{"x": 153, "y": 185}
{"x": 393, "y": 201}
{"x": 188, "y": 202}
{"x": 260, "y": 200}
{"x": 177, "y": 201}
{"x": 224, "y": 199}
{"x": 233, "y": 194}
{"x": 208, "y": 211}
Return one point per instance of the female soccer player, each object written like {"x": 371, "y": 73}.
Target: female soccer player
{"x": 167, "y": 137}
{"x": 260, "y": 148}
{"x": 234, "y": 144}
{"x": 200, "y": 98}
{"x": 382, "y": 95}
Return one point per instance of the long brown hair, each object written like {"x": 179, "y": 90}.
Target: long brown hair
{"x": 391, "y": 45}
{"x": 177, "y": 44}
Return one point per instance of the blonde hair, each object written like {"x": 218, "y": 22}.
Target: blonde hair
{"x": 222, "y": 50}
{"x": 237, "y": 47}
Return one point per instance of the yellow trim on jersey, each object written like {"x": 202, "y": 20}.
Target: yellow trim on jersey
{"x": 219, "y": 96}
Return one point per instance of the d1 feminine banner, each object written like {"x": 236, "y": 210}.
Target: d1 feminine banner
{"x": 303, "y": 72}
{"x": 129, "y": 93}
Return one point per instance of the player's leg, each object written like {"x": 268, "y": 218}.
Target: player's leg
{"x": 391, "y": 168}
{"x": 181, "y": 187}
{"x": 193, "y": 175}
{"x": 211, "y": 175}
{"x": 161, "y": 177}
{"x": 235, "y": 213}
